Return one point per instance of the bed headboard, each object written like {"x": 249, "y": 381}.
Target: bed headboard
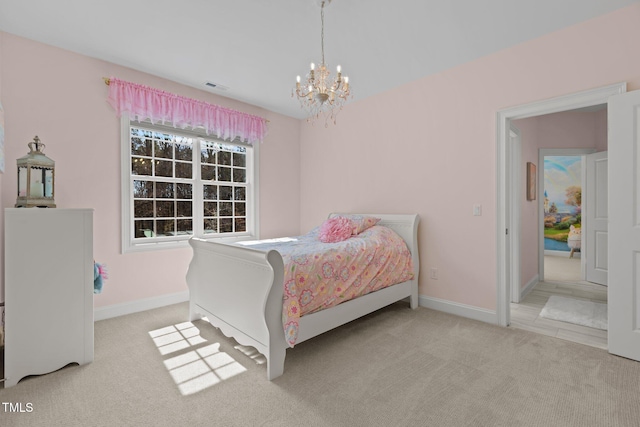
{"x": 405, "y": 225}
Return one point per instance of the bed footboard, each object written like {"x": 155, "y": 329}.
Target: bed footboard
{"x": 240, "y": 290}
{"x": 234, "y": 288}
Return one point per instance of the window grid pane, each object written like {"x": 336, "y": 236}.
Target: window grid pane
{"x": 163, "y": 182}
{"x": 167, "y": 161}
{"x": 224, "y": 168}
{"x": 172, "y": 211}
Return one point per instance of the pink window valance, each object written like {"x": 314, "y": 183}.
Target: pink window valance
{"x": 146, "y": 103}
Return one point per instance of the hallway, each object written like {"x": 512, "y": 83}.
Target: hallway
{"x": 562, "y": 276}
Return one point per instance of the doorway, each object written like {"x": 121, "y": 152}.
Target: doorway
{"x": 508, "y": 207}
{"x": 552, "y": 268}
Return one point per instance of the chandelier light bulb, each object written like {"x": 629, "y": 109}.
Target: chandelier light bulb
{"x": 313, "y": 66}
{"x": 297, "y": 79}
{"x": 338, "y": 68}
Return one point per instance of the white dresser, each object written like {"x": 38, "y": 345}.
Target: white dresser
{"x": 48, "y": 290}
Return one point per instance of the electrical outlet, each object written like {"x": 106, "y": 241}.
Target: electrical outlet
{"x": 433, "y": 273}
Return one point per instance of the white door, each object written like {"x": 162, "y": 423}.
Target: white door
{"x": 597, "y": 218}
{"x": 624, "y": 225}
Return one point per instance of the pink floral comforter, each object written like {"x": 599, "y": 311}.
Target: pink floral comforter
{"x": 321, "y": 275}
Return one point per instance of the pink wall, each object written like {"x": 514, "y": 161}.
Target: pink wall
{"x": 559, "y": 130}
{"x": 430, "y": 146}
{"x": 60, "y": 96}
{"x": 601, "y": 131}
{"x": 528, "y": 209}
{"x": 427, "y": 147}
{"x": 1, "y": 179}
{"x": 571, "y": 130}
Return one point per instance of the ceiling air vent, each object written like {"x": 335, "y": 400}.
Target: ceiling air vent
{"x": 216, "y": 86}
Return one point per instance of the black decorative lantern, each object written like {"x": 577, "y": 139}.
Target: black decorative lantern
{"x": 36, "y": 177}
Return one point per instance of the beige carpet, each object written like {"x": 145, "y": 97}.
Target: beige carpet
{"x": 397, "y": 367}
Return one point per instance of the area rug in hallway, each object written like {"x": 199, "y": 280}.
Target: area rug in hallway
{"x": 580, "y": 312}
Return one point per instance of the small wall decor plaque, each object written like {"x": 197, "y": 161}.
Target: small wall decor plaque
{"x": 531, "y": 181}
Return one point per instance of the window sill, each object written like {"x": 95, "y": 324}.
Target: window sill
{"x": 180, "y": 244}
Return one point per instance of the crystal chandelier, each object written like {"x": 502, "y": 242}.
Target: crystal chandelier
{"x": 321, "y": 95}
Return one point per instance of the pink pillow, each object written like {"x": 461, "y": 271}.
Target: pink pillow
{"x": 359, "y": 223}
{"x": 335, "y": 229}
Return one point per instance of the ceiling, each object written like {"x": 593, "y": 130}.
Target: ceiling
{"x": 257, "y": 47}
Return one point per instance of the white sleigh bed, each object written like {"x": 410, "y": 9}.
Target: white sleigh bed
{"x": 240, "y": 291}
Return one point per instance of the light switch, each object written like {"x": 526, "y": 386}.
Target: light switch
{"x": 477, "y": 210}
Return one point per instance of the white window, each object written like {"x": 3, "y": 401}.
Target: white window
{"x": 181, "y": 183}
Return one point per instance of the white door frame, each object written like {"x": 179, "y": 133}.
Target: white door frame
{"x": 515, "y": 148}
{"x": 507, "y": 207}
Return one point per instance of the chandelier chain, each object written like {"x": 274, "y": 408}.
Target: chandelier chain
{"x": 322, "y": 30}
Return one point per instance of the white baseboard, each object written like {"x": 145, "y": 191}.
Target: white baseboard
{"x": 564, "y": 254}
{"x": 529, "y": 287}
{"x": 116, "y": 310}
{"x": 463, "y": 310}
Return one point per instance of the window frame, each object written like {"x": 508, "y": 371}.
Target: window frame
{"x": 131, "y": 244}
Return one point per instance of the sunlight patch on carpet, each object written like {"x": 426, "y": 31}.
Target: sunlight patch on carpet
{"x": 198, "y": 369}
{"x": 576, "y": 311}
